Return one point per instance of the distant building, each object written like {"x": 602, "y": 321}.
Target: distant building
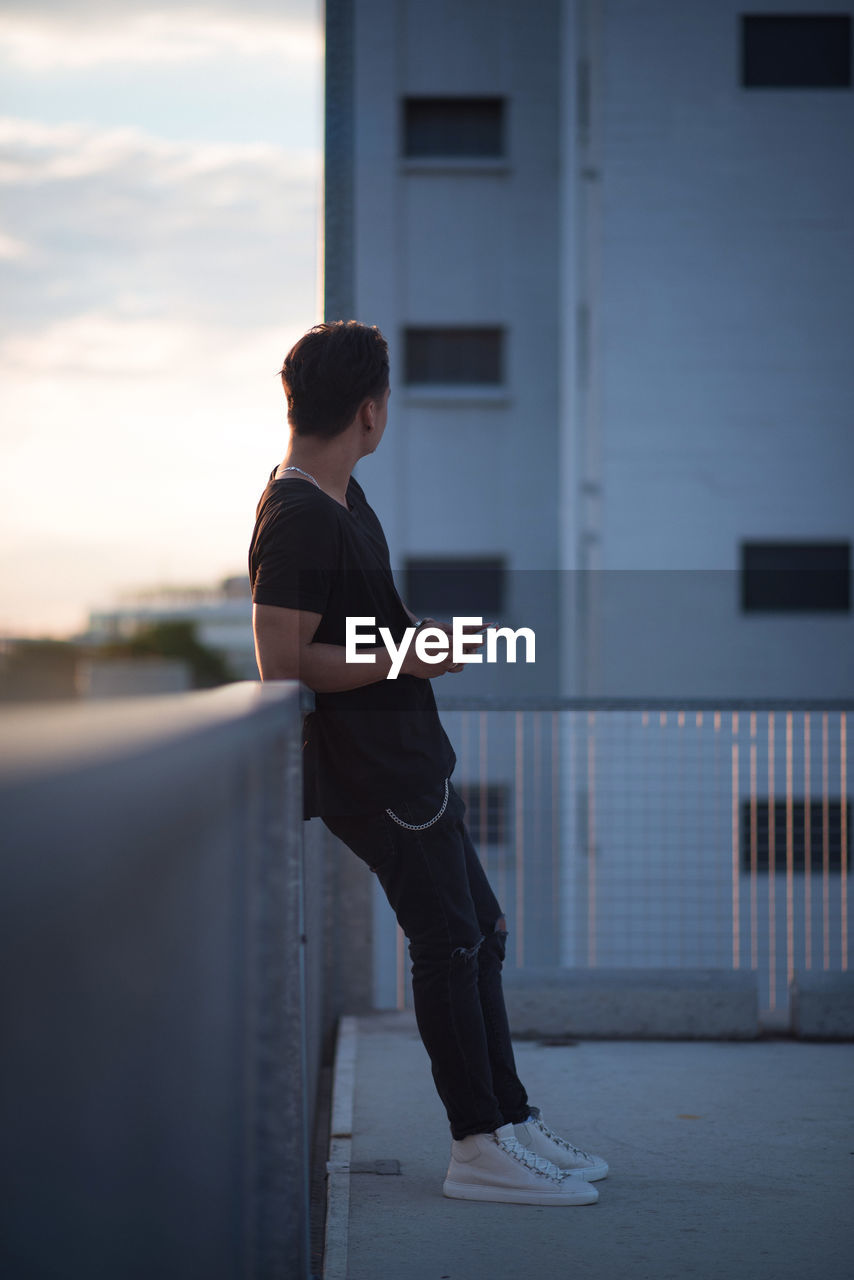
{"x": 222, "y": 614}
{"x": 34, "y": 670}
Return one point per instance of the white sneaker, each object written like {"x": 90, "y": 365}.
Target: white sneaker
{"x": 495, "y": 1166}
{"x": 539, "y": 1138}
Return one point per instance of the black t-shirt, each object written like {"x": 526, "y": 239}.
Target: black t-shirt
{"x": 363, "y": 749}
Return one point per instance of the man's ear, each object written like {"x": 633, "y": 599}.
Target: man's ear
{"x": 368, "y": 414}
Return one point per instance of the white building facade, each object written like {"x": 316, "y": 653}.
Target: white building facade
{"x": 647, "y": 264}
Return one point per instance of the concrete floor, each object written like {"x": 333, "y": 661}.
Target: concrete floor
{"x": 732, "y": 1160}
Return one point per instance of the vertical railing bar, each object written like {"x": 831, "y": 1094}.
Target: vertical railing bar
{"x": 680, "y": 829}
{"x": 465, "y": 791}
{"x": 591, "y": 839}
{"x": 555, "y": 842}
{"x": 501, "y": 849}
{"x": 718, "y": 836}
{"x": 772, "y": 869}
{"x": 631, "y": 880}
{"x": 825, "y": 844}
{"x": 644, "y": 810}
{"x": 482, "y": 824}
{"x": 536, "y": 852}
{"x": 754, "y": 849}
{"x": 843, "y": 838}
{"x": 520, "y": 840}
{"x": 736, "y": 920}
{"x": 698, "y": 725}
{"x": 807, "y": 848}
{"x": 574, "y": 902}
{"x": 670, "y": 863}
{"x": 790, "y": 859}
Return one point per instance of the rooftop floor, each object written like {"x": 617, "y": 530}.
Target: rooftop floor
{"x": 727, "y": 1159}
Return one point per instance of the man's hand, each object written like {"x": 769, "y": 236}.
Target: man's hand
{"x": 413, "y": 666}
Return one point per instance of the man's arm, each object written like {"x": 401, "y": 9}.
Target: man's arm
{"x": 285, "y": 650}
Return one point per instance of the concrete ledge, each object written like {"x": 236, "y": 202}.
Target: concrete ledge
{"x": 637, "y": 1004}
{"x": 823, "y": 1005}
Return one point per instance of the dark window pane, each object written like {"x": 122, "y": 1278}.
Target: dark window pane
{"x": 796, "y": 577}
{"x": 455, "y": 127}
{"x": 796, "y": 51}
{"x": 443, "y": 588}
{"x": 454, "y": 356}
{"x": 799, "y": 843}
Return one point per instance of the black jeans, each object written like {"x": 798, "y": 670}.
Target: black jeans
{"x": 457, "y": 936}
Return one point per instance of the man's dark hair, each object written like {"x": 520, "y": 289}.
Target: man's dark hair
{"x": 331, "y": 371}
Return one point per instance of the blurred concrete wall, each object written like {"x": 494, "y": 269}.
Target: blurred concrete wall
{"x": 173, "y": 956}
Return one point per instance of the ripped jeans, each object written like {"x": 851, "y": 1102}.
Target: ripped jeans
{"x": 457, "y": 935}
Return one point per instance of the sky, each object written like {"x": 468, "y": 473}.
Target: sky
{"x": 160, "y": 198}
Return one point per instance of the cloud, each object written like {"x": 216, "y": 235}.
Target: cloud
{"x": 35, "y": 152}
{"x": 106, "y": 228}
{"x": 12, "y": 249}
{"x": 44, "y": 37}
{"x": 100, "y": 342}
{"x": 91, "y": 10}
{"x": 119, "y": 341}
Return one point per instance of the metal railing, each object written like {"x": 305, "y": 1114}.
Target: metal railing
{"x": 159, "y": 1052}
{"x": 660, "y": 834}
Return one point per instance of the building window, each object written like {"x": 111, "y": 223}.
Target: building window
{"x": 816, "y": 835}
{"x": 796, "y": 51}
{"x": 796, "y": 577}
{"x": 454, "y": 357}
{"x": 444, "y": 587}
{"x": 459, "y": 128}
{"x": 486, "y": 810}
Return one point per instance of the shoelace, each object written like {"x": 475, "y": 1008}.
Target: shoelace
{"x": 538, "y": 1164}
{"x": 561, "y": 1142}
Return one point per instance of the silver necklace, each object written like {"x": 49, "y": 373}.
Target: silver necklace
{"x": 311, "y": 477}
{"x": 302, "y": 473}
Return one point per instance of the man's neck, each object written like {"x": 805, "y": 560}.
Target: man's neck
{"x": 330, "y": 468}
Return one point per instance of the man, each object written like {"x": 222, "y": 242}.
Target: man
{"x": 377, "y": 764}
